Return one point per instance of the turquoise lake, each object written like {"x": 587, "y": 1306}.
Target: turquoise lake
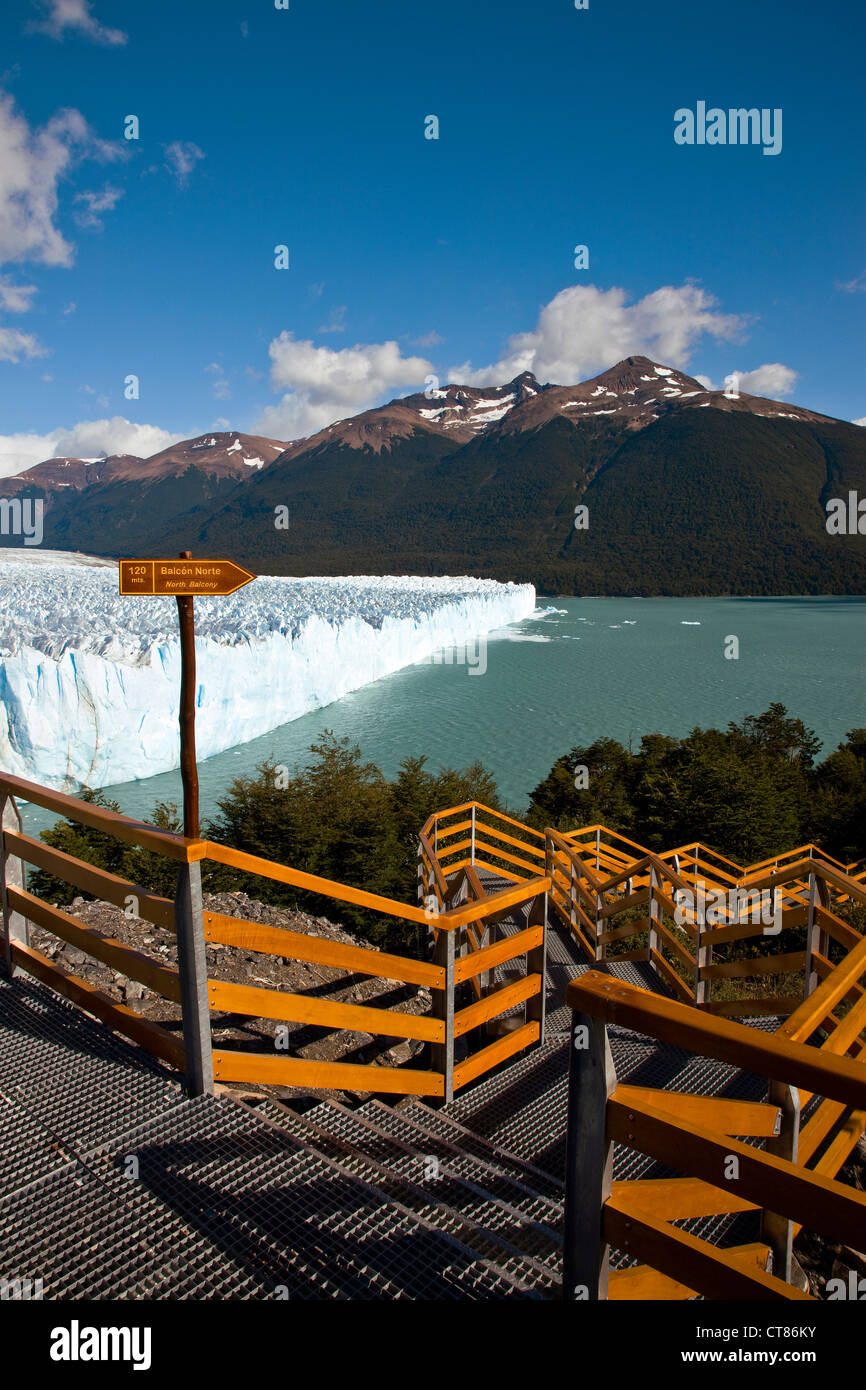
{"x": 588, "y": 668}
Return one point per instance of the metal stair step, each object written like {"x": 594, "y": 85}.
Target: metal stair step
{"x": 518, "y": 1247}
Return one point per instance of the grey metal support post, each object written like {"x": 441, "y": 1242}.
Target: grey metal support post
{"x": 600, "y": 946}
{"x": 12, "y": 875}
{"x": 588, "y": 1162}
{"x": 444, "y": 954}
{"x": 813, "y": 934}
{"x": 703, "y": 953}
{"x": 192, "y": 964}
{"x": 653, "y": 915}
{"x": 536, "y": 963}
{"x": 777, "y": 1231}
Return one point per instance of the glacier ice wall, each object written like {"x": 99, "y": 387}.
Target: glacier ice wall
{"x": 89, "y": 681}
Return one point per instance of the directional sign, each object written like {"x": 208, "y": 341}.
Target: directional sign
{"x": 182, "y": 577}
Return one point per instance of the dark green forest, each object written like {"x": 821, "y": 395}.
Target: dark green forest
{"x": 749, "y": 791}
{"x": 700, "y": 502}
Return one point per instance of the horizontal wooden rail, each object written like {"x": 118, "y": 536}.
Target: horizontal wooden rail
{"x": 496, "y": 1003}
{"x": 313, "y": 883}
{"x": 343, "y": 1076}
{"x": 227, "y": 997}
{"x": 162, "y": 979}
{"x": 499, "y": 1051}
{"x": 743, "y": 1117}
{"x": 715, "y": 1273}
{"x": 692, "y": 1029}
{"x": 447, "y": 921}
{"x": 773, "y": 1183}
{"x": 481, "y": 827}
{"x": 98, "y": 818}
{"x": 680, "y": 1199}
{"x": 151, "y": 1036}
{"x": 501, "y": 951}
{"x": 108, "y": 887}
{"x": 764, "y": 965}
{"x": 317, "y": 950}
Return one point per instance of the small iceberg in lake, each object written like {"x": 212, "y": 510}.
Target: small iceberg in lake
{"x": 685, "y": 623}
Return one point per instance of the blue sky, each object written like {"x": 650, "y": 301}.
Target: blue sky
{"x": 305, "y": 127}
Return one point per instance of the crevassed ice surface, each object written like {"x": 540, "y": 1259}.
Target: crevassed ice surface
{"x": 89, "y": 681}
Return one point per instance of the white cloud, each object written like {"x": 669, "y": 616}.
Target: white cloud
{"x": 75, "y": 16}
{"x": 431, "y": 339}
{"x": 15, "y": 299}
{"x": 181, "y": 157}
{"x": 70, "y": 308}
{"x": 861, "y": 421}
{"x": 87, "y": 439}
{"x": 222, "y": 390}
{"x": 335, "y": 323}
{"x": 323, "y": 384}
{"x": 95, "y": 204}
{"x": 584, "y": 329}
{"x": 214, "y": 368}
{"x": 773, "y": 379}
{"x": 32, "y": 163}
{"x": 855, "y": 286}
{"x": 14, "y": 345}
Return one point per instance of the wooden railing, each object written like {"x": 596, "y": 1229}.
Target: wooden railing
{"x": 791, "y": 1181}
{"x": 486, "y": 839}
{"x": 462, "y": 957}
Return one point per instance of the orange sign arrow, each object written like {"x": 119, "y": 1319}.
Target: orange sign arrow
{"x": 182, "y": 577}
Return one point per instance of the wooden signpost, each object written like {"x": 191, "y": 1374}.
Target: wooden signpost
{"x": 184, "y": 578}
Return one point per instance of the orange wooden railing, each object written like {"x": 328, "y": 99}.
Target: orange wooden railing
{"x": 819, "y": 1051}
{"x": 462, "y": 958}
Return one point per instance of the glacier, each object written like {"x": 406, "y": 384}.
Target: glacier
{"x": 89, "y": 681}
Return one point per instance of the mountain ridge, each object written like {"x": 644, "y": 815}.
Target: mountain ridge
{"x": 687, "y": 490}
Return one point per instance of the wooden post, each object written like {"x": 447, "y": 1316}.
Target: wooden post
{"x": 444, "y": 953}
{"x": 536, "y": 963}
{"x": 777, "y": 1231}
{"x": 472, "y": 850}
{"x": 12, "y": 875}
{"x": 192, "y": 964}
{"x": 188, "y": 767}
{"x": 589, "y": 1161}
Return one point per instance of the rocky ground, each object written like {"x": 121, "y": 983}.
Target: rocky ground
{"x": 237, "y": 1032}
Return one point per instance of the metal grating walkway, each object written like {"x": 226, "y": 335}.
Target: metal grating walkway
{"x": 117, "y": 1187}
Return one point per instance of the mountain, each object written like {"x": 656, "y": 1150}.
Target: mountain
{"x": 114, "y": 501}
{"x": 688, "y": 490}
